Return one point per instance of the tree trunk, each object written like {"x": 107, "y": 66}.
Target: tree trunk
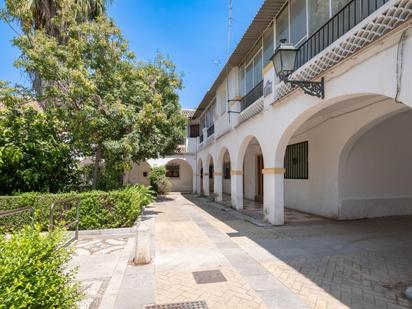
{"x": 97, "y": 160}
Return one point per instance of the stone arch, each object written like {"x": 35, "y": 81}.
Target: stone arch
{"x": 208, "y": 180}
{"x": 374, "y": 169}
{"x": 180, "y": 173}
{"x": 238, "y": 163}
{"x": 381, "y": 106}
{"x": 199, "y": 176}
{"x": 222, "y": 175}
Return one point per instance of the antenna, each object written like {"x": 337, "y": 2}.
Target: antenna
{"x": 229, "y": 29}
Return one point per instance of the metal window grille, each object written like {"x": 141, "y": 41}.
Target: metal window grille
{"x": 173, "y": 171}
{"x": 296, "y": 161}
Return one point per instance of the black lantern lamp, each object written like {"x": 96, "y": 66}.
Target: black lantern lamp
{"x": 284, "y": 60}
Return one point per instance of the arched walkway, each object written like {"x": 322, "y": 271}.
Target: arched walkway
{"x": 307, "y": 156}
{"x": 247, "y": 185}
{"x": 199, "y": 177}
{"x": 208, "y": 181}
{"x": 222, "y": 175}
{"x": 180, "y": 173}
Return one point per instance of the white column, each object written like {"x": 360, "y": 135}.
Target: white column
{"x": 206, "y": 183}
{"x": 196, "y": 186}
{"x": 218, "y": 186}
{"x": 273, "y": 203}
{"x": 236, "y": 183}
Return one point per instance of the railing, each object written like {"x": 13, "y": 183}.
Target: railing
{"x": 21, "y": 216}
{"x": 252, "y": 96}
{"x": 66, "y": 205}
{"x": 344, "y": 20}
{"x": 201, "y": 138}
{"x": 211, "y": 130}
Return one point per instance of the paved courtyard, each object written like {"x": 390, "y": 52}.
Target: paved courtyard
{"x": 309, "y": 264}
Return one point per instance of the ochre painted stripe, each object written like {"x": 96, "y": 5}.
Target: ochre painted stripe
{"x": 267, "y": 68}
{"x": 217, "y": 173}
{"x": 274, "y": 170}
{"x": 234, "y": 173}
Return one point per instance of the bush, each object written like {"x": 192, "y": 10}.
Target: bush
{"x": 97, "y": 209}
{"x": 33, "y": 153}
{"x": 33, "y": 271}
{"x": 158, "y": 180}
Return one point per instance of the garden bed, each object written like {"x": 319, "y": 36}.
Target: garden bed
{"x": 97, "y": 209}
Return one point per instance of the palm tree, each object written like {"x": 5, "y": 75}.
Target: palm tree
{"x": 43, "y": 12}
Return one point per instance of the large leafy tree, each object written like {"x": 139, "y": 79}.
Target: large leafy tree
{"x": 115, "y": 108}
{"x": 34, "y": 15}
{"x": 33, "y": 153}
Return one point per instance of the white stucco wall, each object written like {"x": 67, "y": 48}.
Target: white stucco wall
{"x": 136, "y": 174}
{"x": 376, "y": 176}
{"x": 274, "y": 127}
{"x": 184, "y": 182}
{"x": 320, "y": 194}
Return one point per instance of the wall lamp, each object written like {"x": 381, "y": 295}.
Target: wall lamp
{"x": 284, "y": 63}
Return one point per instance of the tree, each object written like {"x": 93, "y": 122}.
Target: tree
{"x": 34, "y": 15}
{"x": 115, "y": 108}
{"x": 33, "y": 154}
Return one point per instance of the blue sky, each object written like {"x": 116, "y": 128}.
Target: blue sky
{"x": 192, "y": 32}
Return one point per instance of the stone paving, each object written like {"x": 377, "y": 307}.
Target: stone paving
{"x": 307, "y": 264}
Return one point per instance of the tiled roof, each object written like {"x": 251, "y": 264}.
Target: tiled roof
{"x": 188, "y": 113}
{"x": 261, "y": 21}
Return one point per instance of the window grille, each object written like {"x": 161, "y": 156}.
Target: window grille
{"x": 296, "y": 161}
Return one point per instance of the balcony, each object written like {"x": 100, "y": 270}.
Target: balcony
{"x": 252, "y": 96}
{"x": 201, "y": 138}
{"x": 211, "y": 130}
{"x": 343, "y": 21}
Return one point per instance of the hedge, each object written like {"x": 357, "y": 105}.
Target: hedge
{"x": 97, "y": 209}
{"x": 33, "y": 271}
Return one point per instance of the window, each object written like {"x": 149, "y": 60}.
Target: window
{"x": 253, "y": 73}
{"x": 194, "y": 130}
{"x": 337, "y": 5}
{"x": 282, "y": 27}
{"x": 268, "y": 47}
{"x": 297, "y": 20}
{"x": 145, "y": 174}
{"x": 318, "y": 13}
{"x": 173, "y": 171}
{"x": 296, "y": 161}
{"x": 226, "y": 170}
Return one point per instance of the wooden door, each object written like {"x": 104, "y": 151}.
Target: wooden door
{"x": 259, "y": 179}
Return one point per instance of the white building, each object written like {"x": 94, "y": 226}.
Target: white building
{"x": 345, "y": 156}
{"x": 180, "y": 166}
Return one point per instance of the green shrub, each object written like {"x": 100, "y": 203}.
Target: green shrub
{"x": 97, "y": 209}
{"x": 158, "y": 180}
{"x": 33, "y": 272}
{"x": 33, "y": 154}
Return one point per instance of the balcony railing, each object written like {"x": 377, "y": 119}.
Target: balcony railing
{"x": 211, "y": 130}
{"x": 252, "y": 96}
{"x": 344, "y": 20}
{"x": 201, "y": 138}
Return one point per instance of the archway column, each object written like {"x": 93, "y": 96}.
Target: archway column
{"x": 218, "y": 185}
{"x": 196, "y": 182}
{"x": 273, "y": 201}
{"x": 206, "y": 184}
{"x": 236, "y": 184}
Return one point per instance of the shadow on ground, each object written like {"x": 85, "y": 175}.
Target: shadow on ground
{"x": 360, "y": 264}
